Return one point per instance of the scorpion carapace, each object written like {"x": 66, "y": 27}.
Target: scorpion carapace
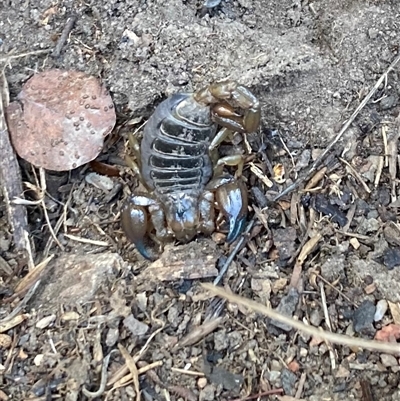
{"x": 177, "y": 163}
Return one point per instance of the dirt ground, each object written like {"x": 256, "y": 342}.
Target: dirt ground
{"x": 98, "y": 315}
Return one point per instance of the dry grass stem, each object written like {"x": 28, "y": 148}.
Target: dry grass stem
{"x": 86, "y": 240}
{"x": 316, "y": 178}
{"x": 381, "y": 162}
{"x": 33, "y": 275}
{"x": 15, "y": 321}
{"x": 260, "y": 175}
{"x": 8, "y": 58}
{"x": 130, "y": 362}
{"x": 188, "y": 372}
{"x": 391, "y": 348}
{"x": 328, "y": 323}
{"x": 356, "y": 175}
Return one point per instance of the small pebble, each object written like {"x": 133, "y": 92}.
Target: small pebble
{"x": 273, "y": 375}
{"x": 202, "y": 382}
{"x": 72, "y": 315}
{"x": 38, "y": 359}
{"x": 112, "y": 336}
{"x": 303, "y": 352}
{"x": 388, "y": 102}
{"x": 5, "y": 341}
{"x": 211, "y": 3}
{"x": 388, "y": 360}
{"x": 381, "y": 308}
{"x": 287, "y": 306}
{"x": 288, "y": 379}
{"x": 373, "y": 33}
{"x": 315, "y": 317}
{"x": 136, "y": 327}
{"x": 45, "y": 321}
{"x": 391, "y": 258}
{"x": 363, "y": 318}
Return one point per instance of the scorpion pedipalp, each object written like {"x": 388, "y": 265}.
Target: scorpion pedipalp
{"x": 134, "y": 221}
{"x": 232, "y": 200}
{"x": 227, "y": 97}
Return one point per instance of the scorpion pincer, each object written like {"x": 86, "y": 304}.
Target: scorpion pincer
{"x": 177, "y": 161}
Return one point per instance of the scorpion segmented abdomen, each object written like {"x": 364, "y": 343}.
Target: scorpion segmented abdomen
{"x": 175, "y": 151}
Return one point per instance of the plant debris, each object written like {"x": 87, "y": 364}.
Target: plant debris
{"x": 60, "y": 119}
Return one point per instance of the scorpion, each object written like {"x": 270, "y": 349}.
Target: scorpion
{"x": 178, "y": 164}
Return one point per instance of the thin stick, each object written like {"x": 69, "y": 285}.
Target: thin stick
{"x": 64, "y": 36}
{"x": 392, "y": 348}
{"x": 340, "y": 134}
{"x": 20, "y": 55}
{"x": 328, "y": 323}
{"x": 228, "y": 262}
{"x": 103, "y": 380}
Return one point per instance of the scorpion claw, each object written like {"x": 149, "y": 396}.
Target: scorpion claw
{"x": 232, "y": 200}
{"x": 134, "y": 222}
{"x": 235, "y": 228}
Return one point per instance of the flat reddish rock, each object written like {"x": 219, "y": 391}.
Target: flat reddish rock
{"x": 60, "y": 119}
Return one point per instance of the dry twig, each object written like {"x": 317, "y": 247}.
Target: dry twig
{"x": 391, "y": 348}
{"x": 10, "y": 178}
{"x": 64, "y": 36}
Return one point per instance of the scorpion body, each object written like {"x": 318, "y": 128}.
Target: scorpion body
{"x": 176, "y": 162}
{"x": 175, "y": 147}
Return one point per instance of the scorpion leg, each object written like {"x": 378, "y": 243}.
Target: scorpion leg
{"x": 135, "y": 223}
{"x": 134, "y": 163}
{"x": 231, "y": 197}
{"x": 233, "y": 160}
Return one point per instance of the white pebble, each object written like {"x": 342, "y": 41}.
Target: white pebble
{"x": 381, "y": 308}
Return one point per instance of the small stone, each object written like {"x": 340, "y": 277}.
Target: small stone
{"x": 136, "y": 327}
{"x": 112, "y": 336}
{"x": 373, "y": 33}
{"x": 363, "y": 318}
{"x": 303, "y": 352}
{"x": 388, "y": 360}
{"x": 207, "y": 393}
{"x": 333, "y": 267}
{"x": 391, "y": 258}
{"x": 5, "y": 341}
{"x": 354, "y": 243}
{"x": 202, "y": 382}
{"x": 368, "y": 226}
{"x": 72, "y": 315}
{"x": 381, "y": 308}
{"x": 38, "y": 359}
{"x": 229, "y": 381}
{"x": 45, "y": 322}
{"x": 315, "y": 317}
{"x": 273, "y": 375}
{"x": 275, "y": 365}
{"x": 388, "y": 102}
{"x": 288, "y": 380}
{"x": 287, "y": 306}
